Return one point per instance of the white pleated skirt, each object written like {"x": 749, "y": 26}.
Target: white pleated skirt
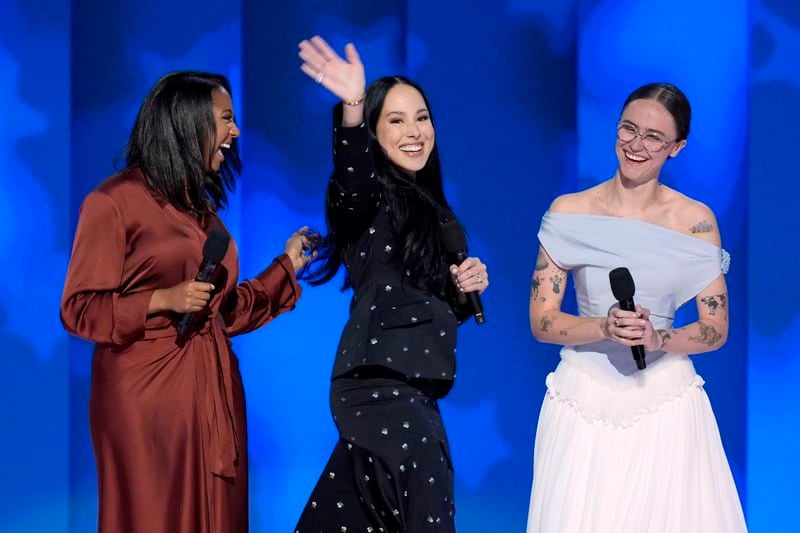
{"x": 630, "y": 455}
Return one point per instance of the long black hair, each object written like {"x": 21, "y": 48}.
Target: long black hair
{"x": 173, "y": 140}
{"x": 417, "y": 205}
{"x": 673, "y": 100}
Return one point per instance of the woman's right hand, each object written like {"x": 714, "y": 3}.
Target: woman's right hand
{"x": 343, "y": 77}
{"x": 187, "y": 297}
{"x": 629, "y": 328}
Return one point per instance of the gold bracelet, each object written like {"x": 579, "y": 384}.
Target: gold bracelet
{"x": 356, "y": 102}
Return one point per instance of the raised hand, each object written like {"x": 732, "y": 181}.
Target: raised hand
{"x": 343, "y": 77}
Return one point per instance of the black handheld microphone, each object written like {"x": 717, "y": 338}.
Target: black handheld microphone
{"x": 623, "y": 289}
{"x": 455, "y": 244}
{"x": 213, "y": 251}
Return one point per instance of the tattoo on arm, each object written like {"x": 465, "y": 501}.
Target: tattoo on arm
{"x": 557, "y": 280}
{"x": 708, "y": 335}
{"x": 713, "y": 302}
{"x": 565, "y": 332}
{"x": 547, "y": 321}
{"x": 665, "y": 336}
{"x": 536, "y": 282}
{"x": 541, "y": 262}
{"x": 723, "y": 303}
{"x": 704, "y": 226}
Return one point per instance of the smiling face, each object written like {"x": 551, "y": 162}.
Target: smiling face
{"x": 650, "y": 119}
{"x": 404, "y": 129}
{"x": 225, "y": 124}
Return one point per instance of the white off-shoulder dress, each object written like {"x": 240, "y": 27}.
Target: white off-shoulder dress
{"x": 620, "y": 450}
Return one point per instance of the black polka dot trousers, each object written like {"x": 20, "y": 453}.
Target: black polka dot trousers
{"x": 390, "y": 471}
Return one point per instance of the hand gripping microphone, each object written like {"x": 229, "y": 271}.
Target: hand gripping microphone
{"x": 455, "y": 244}
{"x": 213, "y": 252}
{"x": 623, "y": 288}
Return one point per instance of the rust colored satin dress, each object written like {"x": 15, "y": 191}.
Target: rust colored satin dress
{"x": 167, "y": 418}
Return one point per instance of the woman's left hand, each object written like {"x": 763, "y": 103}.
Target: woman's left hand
{"x": 470, "y": 275}
{"x": 298, "y": 245}
{"x": 651, "y": 339}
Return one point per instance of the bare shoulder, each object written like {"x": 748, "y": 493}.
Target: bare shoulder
{"x": 693, "y": 217}
{"x": 581, "y": 202}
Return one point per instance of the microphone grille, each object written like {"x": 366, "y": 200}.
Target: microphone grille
{"x": 216, "y": 246}
{"x": 622, "y": 284}
{"x": 453, "y": 236}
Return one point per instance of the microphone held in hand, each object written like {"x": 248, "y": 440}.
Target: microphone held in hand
{"x": 213, "y": 251}
{"x": 622, "y": 288}
{"x": 455, "y": 244}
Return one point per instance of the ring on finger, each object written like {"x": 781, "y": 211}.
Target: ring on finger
{"x": 479, "y": 278}
{"x": 616, "y": 322}
{"x": 320, "y": 77}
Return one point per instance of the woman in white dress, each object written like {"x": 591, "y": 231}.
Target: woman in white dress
{"x": 620, "y": 449}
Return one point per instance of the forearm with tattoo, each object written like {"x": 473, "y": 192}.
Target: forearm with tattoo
{"x": 566, "y": 331}
{"x": 708, "y": 335}
{"x": 665, "y": 336}
{"x": 547, "y": 321}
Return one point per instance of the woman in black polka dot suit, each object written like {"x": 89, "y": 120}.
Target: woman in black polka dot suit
{"x": 390, "y": 470}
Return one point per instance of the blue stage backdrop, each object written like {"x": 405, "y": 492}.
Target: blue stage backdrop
{"x": 525, "y": 94}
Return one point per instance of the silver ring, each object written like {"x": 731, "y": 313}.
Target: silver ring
{"x": 320, "y": 77}
{"x": 616, "y": 323}
{"x": 479, "y": 278}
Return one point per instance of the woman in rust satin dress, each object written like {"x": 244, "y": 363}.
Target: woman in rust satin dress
{"x": 167, "y": 414}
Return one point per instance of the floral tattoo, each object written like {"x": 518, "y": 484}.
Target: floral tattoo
{"x": 704, "y": 226}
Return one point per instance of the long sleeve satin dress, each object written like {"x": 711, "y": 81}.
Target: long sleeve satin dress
{"x": 167, "y": 418}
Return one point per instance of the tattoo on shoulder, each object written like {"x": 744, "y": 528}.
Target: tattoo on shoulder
{"x": 708, "y": 335}
{"x": 704, "y": 226}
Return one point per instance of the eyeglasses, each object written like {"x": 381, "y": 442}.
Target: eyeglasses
{"x": 652, "y": 142}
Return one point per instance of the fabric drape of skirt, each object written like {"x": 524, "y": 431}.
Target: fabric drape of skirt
{"x": 662, "y": 469}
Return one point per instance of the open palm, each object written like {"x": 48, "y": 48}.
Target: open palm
{"x": 343, "y": 77}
